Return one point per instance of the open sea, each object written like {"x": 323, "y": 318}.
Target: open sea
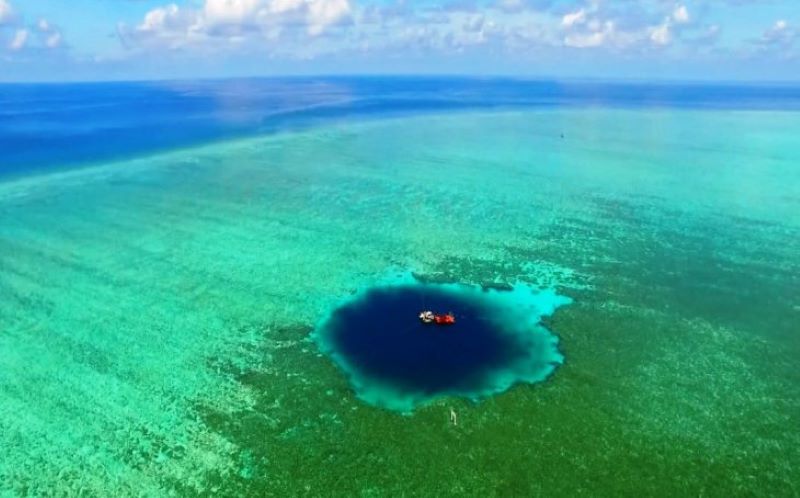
{"x": 168, "y": 250}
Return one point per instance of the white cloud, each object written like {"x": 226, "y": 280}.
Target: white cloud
{"x": 574, "y": 18}
{"x": 235, "y": 21}
{"x": 661, "y": 34}
{"x": 6, "y": 12}
{"x": 322, "y": 13}
{"x": 53, "y": 40}
{"x": 21, "y": 37}
{"x": 600, "y": 34}
{"x": 160, "y": 18}
{"x": 602, "y": 24}
{"x": 681, "y": 14}
{"x": 19, "y": 40}
{"x": 50, "y": 35}
{"x": 220, "y": 12}
{"x": 586, "y": 40}
{"x": 779, "y": 33}
{"x": 310, "y": 28}
{"x": 780, "y": 36}
{"x": 664, "y": 33}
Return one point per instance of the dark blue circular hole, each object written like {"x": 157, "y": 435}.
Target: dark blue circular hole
{"x": 396, "y": 361}
{"x": 382, "y": 336}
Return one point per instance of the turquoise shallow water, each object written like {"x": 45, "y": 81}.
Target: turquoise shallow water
{"x": 157, "y": 313}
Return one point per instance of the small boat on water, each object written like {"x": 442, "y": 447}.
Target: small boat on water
{"x": 428, "y": 317}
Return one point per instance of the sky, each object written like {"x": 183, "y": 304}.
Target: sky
{"x": 716, "y": 40}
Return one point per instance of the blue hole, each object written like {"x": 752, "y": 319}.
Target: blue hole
{"x": 395, "y": 361}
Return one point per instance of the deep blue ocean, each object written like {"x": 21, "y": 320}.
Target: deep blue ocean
{"x": 46, "y": 126}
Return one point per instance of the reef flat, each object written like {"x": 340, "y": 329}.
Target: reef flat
{"x": 156, "y": 315}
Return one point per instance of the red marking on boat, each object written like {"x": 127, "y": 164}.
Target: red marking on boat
{"x": 447, "y": 319}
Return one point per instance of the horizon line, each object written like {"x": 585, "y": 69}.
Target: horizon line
{"x": 434, "y": 76}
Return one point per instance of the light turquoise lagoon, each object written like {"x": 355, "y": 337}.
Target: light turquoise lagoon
{"x": 156, "y": 313}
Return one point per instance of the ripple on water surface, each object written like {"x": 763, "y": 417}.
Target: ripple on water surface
{"x": 395, "y": 361}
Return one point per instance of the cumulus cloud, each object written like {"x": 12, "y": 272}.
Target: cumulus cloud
{"x": 780, "y": 38}
{"x": 779, "y": 34}
{"x": 234, "y": 21}
{"x": 50, "y": 35}
{"x": 574, "y": 18}
{"x": 53, "y": 40}
{"x": 163, "y": 19}
{"x": 664, "y": 33}
{"x": 325, "y": 13}
{"x": 605, "y": 24}
{"x": 311, "y": 28}
{"x": 591, "y": 39}
{"x": 19, "y": 40}
{"x": 6, "y": 12}
{"x": 681, "y": 14}
{"x": 661, "y": 34}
